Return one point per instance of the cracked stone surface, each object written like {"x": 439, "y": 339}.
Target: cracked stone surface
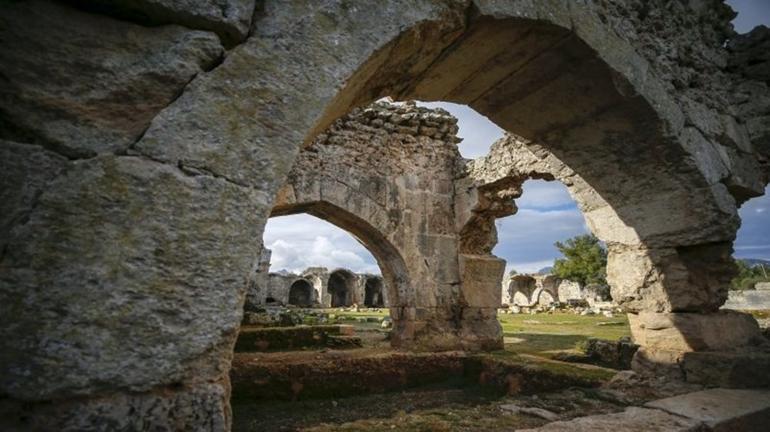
{"x": 230, "y": 19}
{"x": 82, "y": 84}
{"x": 120, "y": 215}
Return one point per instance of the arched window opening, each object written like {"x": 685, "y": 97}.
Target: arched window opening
{"x": 552, "y": 256}
{"x": 373, "y": 292}
{"x": 301, "y": 293}
{"x": 341, "y": 288}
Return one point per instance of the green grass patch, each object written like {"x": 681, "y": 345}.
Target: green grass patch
{"x": 759, "y": 314}
{"x": 546, "y": 334}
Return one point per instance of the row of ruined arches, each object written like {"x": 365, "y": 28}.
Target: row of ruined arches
{"x": 341, "y": 287}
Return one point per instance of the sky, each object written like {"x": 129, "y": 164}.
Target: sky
{"x": 546, "y": 211}
{"x": 750, "y": 14}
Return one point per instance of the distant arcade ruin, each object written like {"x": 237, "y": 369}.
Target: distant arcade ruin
{"x": 314, "y": 287}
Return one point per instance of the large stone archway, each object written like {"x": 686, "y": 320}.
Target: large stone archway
{"x": 374, "y": 293}
{"x": 301, "y": 293}
{"x": 342, "y": 288}
{"x": 519, "y": 290}
{"x": 126, "y": 202}
{"x": 386, "y": 175}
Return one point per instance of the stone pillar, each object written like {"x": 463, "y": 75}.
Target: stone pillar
{"x": 258, "y": 285}
{"x": 481, "y": 276}
{"x": 673, "y": 296}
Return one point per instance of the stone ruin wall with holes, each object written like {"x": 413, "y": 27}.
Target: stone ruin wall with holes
{"x": 139, "y": 138}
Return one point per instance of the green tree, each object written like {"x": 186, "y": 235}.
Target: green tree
{"x": 585, "y": 260}
{"x": 748, "y": 276}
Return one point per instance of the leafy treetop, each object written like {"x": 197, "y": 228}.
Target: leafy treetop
{"x": 585, "y": 260}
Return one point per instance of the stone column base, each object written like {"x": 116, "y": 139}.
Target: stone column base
{"x": 674, "y": 344}
{"x": 438, "y": 329}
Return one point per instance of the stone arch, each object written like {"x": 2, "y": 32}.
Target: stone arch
{"x": 550, "y": 284}
{"x": 317, "y": 284}
{"x": 342, "y": 288}
{"x": 620, "y": 132}
{"x": 374, "y": 292}
{"x": 542, "y": 297}
{"x": 521, "y": 288}
{"x": 224, "y": 144}
{"x": 301, "y": 293}
{"x": 388, "y": 258}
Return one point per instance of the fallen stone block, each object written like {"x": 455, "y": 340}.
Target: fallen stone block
{"x": 722, "y": 410}
{"x": 633, "y": 419}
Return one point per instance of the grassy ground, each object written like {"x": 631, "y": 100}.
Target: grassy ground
{"x": 546, "y": 334}
{"x": 541, "y": 334}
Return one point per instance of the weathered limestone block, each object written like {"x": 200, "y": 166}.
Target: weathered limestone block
{"x": 569, "y": 290}
{"x": 667, "y": 338}
{"x": 480, "y": 276}
{"x": 724, "y": 330}
{"x": 230, "y": 19}
{"x": 686, "y": 279}
{"x": 721, "y": 410}
{"x": 26, "y": 171}
{"x": 128, "y": 274}
{"x": 258, "y": 283}
{"x": 201, "y": 407}
{"x": 94, "y": 83}
{"x": 633, "y": 419}
{"x": 750, "y": 53}
{"x": 192, "y": 130}
{"x": 742, "y": 369}
{"x": 749, "y": 58}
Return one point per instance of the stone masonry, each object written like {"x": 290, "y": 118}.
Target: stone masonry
{"x": 386, "y": 174}
{"x": 144, "y": 145}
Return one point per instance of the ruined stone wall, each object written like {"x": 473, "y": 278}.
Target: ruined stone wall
{"x": 539, "y": 289}
{"x": 259, "y": 282}
{"x": 756, "y": 299}
{"x": 143, "y": 145}
{"x": 386, "y": 174}
{"x": 278, "y": 285}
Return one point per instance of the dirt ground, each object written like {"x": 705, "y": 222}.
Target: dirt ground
{"x": 446, "y": 406}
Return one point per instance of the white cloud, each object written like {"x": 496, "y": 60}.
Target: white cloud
{"x": 753, "y": 240}
{"x": 303, "y": 241}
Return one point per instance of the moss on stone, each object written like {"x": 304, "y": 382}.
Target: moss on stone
{"x": 288, "y": 338}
